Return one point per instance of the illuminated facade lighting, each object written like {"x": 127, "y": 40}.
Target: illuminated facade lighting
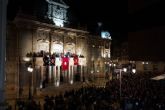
{"x": 57, "y": 47}
{"x": 30, "y": 69}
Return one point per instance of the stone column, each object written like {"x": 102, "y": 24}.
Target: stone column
{"x": 3, "y": 6}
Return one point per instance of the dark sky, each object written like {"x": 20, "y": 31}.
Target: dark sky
{"x": 144, "y": 14}
{"x": 112, "y": 14}
{"x": 146, "y": 30}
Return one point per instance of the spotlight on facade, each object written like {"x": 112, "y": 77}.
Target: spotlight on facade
{"x": 30, "y": 69}
{"x": 133, "y": 70}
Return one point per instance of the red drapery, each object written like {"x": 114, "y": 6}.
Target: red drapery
{"x": 65, "y": 63}
{"x": 75, "y": 60}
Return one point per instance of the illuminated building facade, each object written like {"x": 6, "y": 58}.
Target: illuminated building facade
{"x": 40, "y": 54}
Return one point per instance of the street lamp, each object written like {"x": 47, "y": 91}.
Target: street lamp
{"x": 30, "y": 64}
{"x": 134, "y": 71}
{"x": 30, "y": 70}
{"x": 121, "y": 70}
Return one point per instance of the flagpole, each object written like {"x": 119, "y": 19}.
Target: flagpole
{"x": 55, "y": 79}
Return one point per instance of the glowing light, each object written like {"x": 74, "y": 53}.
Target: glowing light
{"x": 82, "y": 61}
{"x": 114, "y": 64}
{"x": 110, "y": 64}
{"x": 70, "y": 47}
{"x": 43, "y": 45}
{"x": 71, "y": 82}
{"x": 143, "y": 63}
{"x": 57, "y": 48}
{"x": 40, "y": 85}
{"x": 58, "y": 83}
{"x": 125, "y": 69}
{"x": 30, "y": 69}
{"x": 160, "y": 77}
{"x": 133, "y": 70}
{"x": 26, "y": 59}
{"x": 92, "y": 71}
{"x": 105, "y": 35}
{"x": 58, "y": 22}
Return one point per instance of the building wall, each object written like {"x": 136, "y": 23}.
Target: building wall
{"x": 24, "y": 36}
{"x": 12, "y": 62}
{"x": 150, "y": 66}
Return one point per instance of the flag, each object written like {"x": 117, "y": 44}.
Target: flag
{"x": 75, "y": 60}
{"x": 65, "y": 63}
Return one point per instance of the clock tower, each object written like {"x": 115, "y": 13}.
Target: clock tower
{"x": 57, "y": 12}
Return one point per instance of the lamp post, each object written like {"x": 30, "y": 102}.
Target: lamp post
{"x": 121, "y": 70}
{"x": 30, "y": 70}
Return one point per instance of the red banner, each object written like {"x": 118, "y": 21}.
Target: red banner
{"x": 65, "y": 63}
{"x": 75, "y": 60}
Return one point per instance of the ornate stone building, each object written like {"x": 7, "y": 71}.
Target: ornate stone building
{"x": 41, "y": 54}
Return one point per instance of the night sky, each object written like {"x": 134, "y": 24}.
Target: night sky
{"x": 146, "y": 30}
{"x": 111, "y": 13}
{"x": 144, "y": 15}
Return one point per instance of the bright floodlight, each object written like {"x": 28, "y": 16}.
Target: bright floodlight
{"x": 105, "y": 35}
{"x": 125, "y": 69}
{"x": 133, "y": 70}
{"x": 58, "y": 22}
{"x": 26, "y": 59}
{"x": 30, "y": 69}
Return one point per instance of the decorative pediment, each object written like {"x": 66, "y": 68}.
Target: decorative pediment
{"x": 57, "y": 12}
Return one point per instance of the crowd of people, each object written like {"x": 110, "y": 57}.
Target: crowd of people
{"x": 138, "y": 92}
